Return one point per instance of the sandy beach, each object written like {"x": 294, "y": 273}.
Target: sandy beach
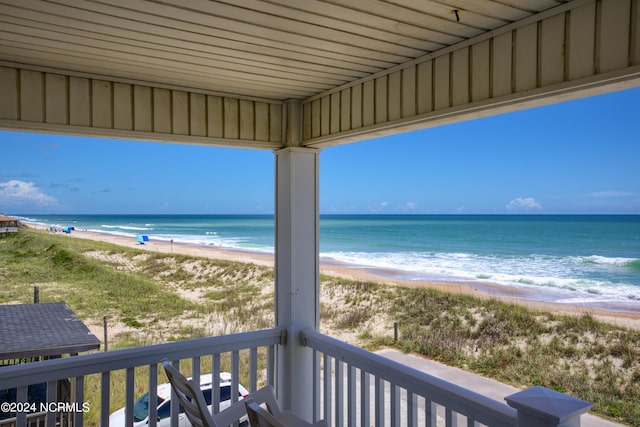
{"x": 616, "y": 315}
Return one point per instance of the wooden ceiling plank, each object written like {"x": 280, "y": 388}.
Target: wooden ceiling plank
{"x": 196, "y": 80}
{"x": 23, "y": 25}
{"x": 468, "y": 17}
{"x": 490, "y": 8}
{"x": 174, "y": 17}
{"x": 35, "y": 34}
{"x": 270, "y": 48}
{"x": 298, "y": 26}
{"x": 163, "y": 27}
{"x": 143, "y": 39}
{"x": 343, "y": 21}
{"x": 364, "y": 19}
{"x": 533, "y": 6}
{"x": 271, "y": 56}
{"x": 452, "y": 30}
{"x": 182, "y": 78}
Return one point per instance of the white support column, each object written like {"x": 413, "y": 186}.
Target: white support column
{"x": 297, "y": 292}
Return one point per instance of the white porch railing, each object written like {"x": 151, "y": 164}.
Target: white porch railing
{"x": 352, "y": 387}
{"x": 355, "y": 387}
{"x": 78, "y": 367}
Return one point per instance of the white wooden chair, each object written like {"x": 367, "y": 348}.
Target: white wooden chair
{"x": 192, "y": 400}
{"x": 271, "y": 415}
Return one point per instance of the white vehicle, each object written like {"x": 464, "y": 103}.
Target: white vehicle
{"x": 141, "y": 406}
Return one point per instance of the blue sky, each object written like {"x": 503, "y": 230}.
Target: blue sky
{"x": 580, "y": 157}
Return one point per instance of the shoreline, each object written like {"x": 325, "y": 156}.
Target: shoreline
{"x": 518, "y": 295}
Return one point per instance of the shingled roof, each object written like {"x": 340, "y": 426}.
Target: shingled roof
{"x": 49, "y": 329}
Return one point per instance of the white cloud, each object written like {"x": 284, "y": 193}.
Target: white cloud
{"x": 611, "y": 194}
{"x": 19, "y": 193}
{"x": 378, "y": 208}
{"x": 407, "y": 207}
{"x": 523, "y": 203}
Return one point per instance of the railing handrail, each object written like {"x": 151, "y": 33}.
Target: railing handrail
{"x": 454, "y": 397}
{"x": 55, "y": 369}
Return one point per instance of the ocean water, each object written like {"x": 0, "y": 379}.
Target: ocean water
{"x": 578, "y": 259}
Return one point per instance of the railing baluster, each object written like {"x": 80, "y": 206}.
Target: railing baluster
{"x": 129, "y": 390}
{"x": 175, "y": 408}
{"x": 412, "y": 409}
{"x": 21, "y": 396}
{"x": 215, "y": 391}
{"x": 253, "y": 369}
{"x": 339, "y": 393}
{"x": 105, "y": 397}
{"x": 429, "y": 413}
{"x": 365, "y": 398}
{"x": 153, "y": 394}
{"x": 78, "y": 416}
{"x": 379, "y": 390}
{"x": 316, "y": 386}
{"x": 235, "y": 375}
{"x": 328, "y": 375}
{"x": 271, "y": 365}
{"x": 351, "y": 395}
{"x": 448, "y": 421}
{"x": 235, "y": 378}
{"x": 195, "y": 369}
{"x": 395, "y": 404}
{"x": 52, "y": 397}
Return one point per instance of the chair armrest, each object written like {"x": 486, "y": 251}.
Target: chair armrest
{"x": 230, "y": 415}
{"x": 274, "y": 415}
{"x": 257, "y": 412}
{"x": 267, "y": 396}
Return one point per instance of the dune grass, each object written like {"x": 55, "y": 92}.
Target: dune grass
{"x": 574, "y": 354}
{"x": 136, "y": 290}
{"x": 58, "y": 266}
{"x": 577, "y": 355}
{"x": 151, "y": 298}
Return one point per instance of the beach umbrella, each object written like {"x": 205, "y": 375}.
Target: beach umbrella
{"x": 142, "y": 239}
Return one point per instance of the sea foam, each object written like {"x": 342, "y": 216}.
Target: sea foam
{"x": 574, "y": 276}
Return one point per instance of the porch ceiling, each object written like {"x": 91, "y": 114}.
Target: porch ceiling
{"x": 275, "y": 49}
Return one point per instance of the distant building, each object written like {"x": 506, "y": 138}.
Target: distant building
{"x": 8, "y": 225}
